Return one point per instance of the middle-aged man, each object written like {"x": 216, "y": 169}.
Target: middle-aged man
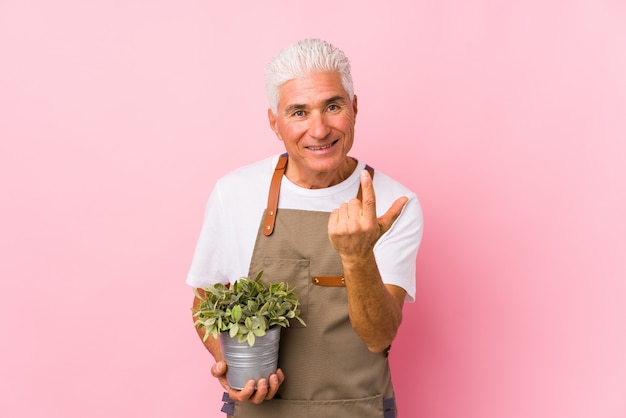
{"x": 321, "y": 219}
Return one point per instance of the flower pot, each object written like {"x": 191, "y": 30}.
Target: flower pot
{"x": 250, "y": 362}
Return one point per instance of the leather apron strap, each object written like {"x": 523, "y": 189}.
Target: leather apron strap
{"x": 272, "y": 198}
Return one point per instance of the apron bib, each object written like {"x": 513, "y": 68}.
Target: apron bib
{"x": 329, "y": 372}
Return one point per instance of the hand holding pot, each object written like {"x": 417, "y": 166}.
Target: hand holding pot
{"x": 262, "y": 392}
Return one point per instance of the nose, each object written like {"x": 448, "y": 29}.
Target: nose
{"x": 318, "y": 126}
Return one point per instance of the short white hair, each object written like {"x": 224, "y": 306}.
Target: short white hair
{"x": 302, "y": 58}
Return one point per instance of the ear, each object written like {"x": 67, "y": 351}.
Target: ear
{"x": 273, "y": 120}
{"x": 354, "y": 106}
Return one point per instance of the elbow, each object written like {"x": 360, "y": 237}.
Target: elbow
{"x": 378, "y": 348}
{"x": 380, "y": 345}
{"x": 382, "y": 341}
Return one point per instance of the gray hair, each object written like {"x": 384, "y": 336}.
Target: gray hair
{"x": 302, "y": 58}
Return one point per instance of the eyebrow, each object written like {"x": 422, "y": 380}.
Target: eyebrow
{"x": 296, "y": 106}
{"x": 335, "y": 99}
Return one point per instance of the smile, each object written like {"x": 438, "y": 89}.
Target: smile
{"x": 323, "y": 147}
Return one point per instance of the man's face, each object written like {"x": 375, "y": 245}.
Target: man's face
{"x": 315, "y": 120}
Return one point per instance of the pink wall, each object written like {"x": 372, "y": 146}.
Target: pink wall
{"x": 507, "y": 118}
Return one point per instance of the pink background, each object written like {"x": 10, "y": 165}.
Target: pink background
{"x": 507, "y": 118}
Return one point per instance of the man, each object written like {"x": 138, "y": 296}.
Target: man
{"x": 353, "y": 265}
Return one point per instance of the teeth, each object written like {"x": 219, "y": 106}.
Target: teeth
{"x": 321, "y": 148}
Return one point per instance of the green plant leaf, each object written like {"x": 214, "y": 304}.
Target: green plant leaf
{"x": 258, "y": 332}
{"x": 262, "y": 323}
{"x": 265, "y": 308}
{"x": 234, "y": 330}
{"x": 236, "y": 313}
{"x": 253, "y": 306}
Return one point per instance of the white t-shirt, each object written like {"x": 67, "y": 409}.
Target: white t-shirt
{"x": 235, "y": 208}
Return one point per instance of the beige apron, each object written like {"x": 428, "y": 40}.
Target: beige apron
{"x": 329, "y": 372}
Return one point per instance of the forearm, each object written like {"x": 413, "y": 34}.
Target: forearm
{"x": 375, "y": 309}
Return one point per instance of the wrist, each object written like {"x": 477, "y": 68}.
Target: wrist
{"x": 356, "y": 262}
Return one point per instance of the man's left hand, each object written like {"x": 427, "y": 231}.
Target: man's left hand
{"x": 354, "y": 229}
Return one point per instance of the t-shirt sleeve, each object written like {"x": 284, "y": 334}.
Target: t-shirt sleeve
{"x": 396, "y": 251}
{"x": 204, "y": 270}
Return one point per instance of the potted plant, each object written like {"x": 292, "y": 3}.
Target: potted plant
{"x": 246, "y": 318}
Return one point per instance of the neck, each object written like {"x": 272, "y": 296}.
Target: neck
{"x": 322, "y": 180}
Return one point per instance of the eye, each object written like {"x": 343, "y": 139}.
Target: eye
{"x": 298, "y": 113}
{"x": 333, "y": 107}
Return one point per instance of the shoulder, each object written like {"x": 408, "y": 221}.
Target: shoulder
{"x": 390, "y": 184}
{"x": 388, "y": 189}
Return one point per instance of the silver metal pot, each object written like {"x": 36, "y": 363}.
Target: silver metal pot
{"x": 245, "y": 362}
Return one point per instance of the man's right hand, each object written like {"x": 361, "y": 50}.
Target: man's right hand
{"x": 248, "y": 393}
